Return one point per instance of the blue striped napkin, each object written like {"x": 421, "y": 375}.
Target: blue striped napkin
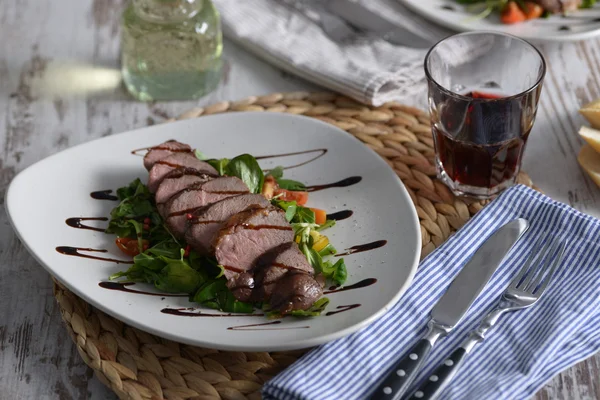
{"x": 525, "y": 349}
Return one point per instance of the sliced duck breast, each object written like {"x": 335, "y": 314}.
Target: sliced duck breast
{"x": 206, "y": 222}
{"x": 164, "y": 150}
{"x": 259, "y": 284}
{"x": 176, "y": 210}
{"x": 176, "y": 181}
{"x": 248, "y": 235}
{"x": 296, "y": 290}
{"x": 176, "y": 160}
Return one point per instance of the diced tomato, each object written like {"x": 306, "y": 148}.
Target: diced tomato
{"x": 512, "y": 14}
{"x": 130, "y": 246}
{"x": 533, "y": 10}
{"x": 320, "y": 216}
{"x": 292, "y": 195}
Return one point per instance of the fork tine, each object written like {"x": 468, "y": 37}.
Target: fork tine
{"x": 539, "y": 259}
{"x": 525, "y": 268}
{"x": 538, "y": 275}
{"x": 542, "y": 286}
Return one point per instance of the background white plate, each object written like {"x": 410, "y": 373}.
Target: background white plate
{"x": 582, "y": 24}
{"x": 44, "y": 195}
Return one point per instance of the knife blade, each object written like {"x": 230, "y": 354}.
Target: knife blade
{"x": 365, "y": 19}
{"x": 453, "y": 304}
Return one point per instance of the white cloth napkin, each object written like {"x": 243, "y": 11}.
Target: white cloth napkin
{"x": 369, "y": 69}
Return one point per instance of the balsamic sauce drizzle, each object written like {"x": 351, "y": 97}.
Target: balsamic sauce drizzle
{"x": 321, "y": 152}
{"x": 103, "y": 195}
{"x": 186, "y": 312}
{"x": 363, "y": 247}
{"x": 76, "y": 223}
{"x": 255, "y": 327}
{"x": 343, "y": 183}
{"x": 74, "y": 251}
{"x": 357, "y": 285}
{"x": 340, "y": 215}
{"x": 122, "y": 287}
{"x": 343, "y": 308}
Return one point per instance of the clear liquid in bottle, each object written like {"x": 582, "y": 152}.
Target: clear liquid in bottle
{"x": 171, "y": 49}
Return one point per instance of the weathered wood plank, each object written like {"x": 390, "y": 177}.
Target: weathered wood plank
{"x": 37, "y": 361}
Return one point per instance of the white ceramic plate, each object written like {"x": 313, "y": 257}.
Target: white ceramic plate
{"x": 42, "y": 197}
{"x": 579, "y": 25}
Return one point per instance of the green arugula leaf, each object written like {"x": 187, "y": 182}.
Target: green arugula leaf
{"x": 137, "y": 203}
{"x": 247, "y": 169}
{"x": 276, "y": 172}
{"x": 290, "y": 184}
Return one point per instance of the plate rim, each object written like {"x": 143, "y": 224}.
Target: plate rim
{"x": 298, "y": 344}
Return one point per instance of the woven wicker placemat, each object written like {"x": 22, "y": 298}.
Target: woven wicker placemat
{"x": 137, "y": 365}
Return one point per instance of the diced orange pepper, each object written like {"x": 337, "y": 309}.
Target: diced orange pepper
{"x": 320, "y": 216}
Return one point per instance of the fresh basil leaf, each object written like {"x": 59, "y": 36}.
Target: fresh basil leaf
{"x": 328, "y": 224}
{"x": 276, "y": 172}
{"x": 199, "y": 155}
{"x": 247, "y": 169}
{"x": 314, "y": 311}
{"x": 219, "y": 165}
{"x": 290, "y": 184}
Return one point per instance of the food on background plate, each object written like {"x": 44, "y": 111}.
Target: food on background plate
{"x": 516, "y": 11}
{"x": 591, "y": 112}
{"x": 589, "y": 155}
{"x": 226, "y": 234}
{"x": 591, "y": 136}
{"x": 589, "y": 160}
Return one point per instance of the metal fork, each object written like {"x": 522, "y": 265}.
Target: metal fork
{"x": 524, "y": 291}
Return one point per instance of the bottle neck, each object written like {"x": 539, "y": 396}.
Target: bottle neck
{"x": 167, "y": 10}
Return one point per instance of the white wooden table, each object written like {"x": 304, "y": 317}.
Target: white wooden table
{"x": 37, "y": 359}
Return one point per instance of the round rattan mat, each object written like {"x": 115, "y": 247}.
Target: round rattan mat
{"x": 137, "y": 365}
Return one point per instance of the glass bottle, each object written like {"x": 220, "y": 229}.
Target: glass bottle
{"x": 171, "y": 49}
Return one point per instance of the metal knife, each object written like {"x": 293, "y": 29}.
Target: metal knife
{"x": 367, "y": 20}
{"x": 450, "y": 308}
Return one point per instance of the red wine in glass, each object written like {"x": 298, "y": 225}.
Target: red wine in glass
{"x": 480, "y": 143}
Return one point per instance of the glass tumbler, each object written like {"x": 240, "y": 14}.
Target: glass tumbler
{"x": 484, "y": 89}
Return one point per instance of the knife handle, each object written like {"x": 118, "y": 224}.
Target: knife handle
{"x": 404, "y": 372}
{"x": 443, "y": 374}
{"x": 439, "y": 378}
